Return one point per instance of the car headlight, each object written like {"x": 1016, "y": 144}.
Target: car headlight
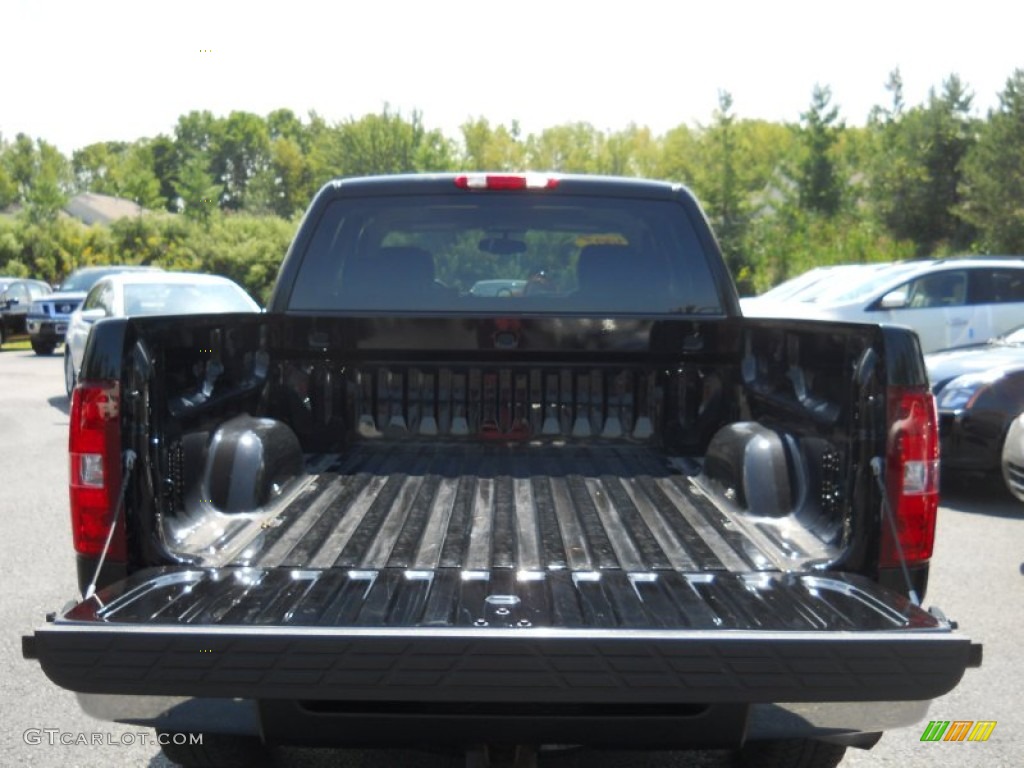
{"x": 963, "y": 391}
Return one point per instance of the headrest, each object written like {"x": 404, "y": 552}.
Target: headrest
{"x": 603, "y": 266}
{"x": 405, "y": 264}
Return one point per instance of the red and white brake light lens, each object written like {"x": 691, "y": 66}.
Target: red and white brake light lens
{"x": 505, "y": 181}
{"x": 94, "y": 444}
{"x": 912, "y": 476}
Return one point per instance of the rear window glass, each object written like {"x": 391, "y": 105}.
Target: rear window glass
{"x": 505, "y": 252}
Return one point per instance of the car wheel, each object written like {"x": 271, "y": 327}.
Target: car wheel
{"x": 213, "y": 750}
{"x": 43, "y": 347}
{"x": 70, "y": 377}
{"x": 790, "y": 753}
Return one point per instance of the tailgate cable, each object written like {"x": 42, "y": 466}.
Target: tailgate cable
{"x": 876, "y": 468}
{"x": 129, "y": 464}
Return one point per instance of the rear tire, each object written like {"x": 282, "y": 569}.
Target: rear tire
{"x": 43, "y": 347}
{"x": 70, "y": 377}
{"x": 790, "y": 753}
{"x": 218, "y": 750}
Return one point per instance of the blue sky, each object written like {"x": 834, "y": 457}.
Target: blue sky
{"x": 75, "y": 73}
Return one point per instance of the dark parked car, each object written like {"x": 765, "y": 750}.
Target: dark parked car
{"x": 48, "y": 318}
{"x": 15, "y": 297}
{"x": 979, "y": 390}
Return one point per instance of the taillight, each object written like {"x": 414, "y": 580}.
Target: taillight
{"x": 912, "y": 476}
{"x": 94, "y": 443}
{"x": 506, "y": 181}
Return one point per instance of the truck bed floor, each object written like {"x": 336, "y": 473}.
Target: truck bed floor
{"x": 527, "y": 507}
{"x": 523, "y": 507}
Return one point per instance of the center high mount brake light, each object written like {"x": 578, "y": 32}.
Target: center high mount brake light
{"x": 505, "y": 181}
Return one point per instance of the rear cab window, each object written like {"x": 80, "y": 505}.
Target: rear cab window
{"x": 505, "y": 252}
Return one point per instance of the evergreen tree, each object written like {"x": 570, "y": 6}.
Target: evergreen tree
{"x": 916, "y": 168}
{"x": 819, "y": 182}
{"x": 720, "y": 182}
{"x": 993, "y": 175}
{"x": 50, "y": 183}
{"x": 196, "y": 190}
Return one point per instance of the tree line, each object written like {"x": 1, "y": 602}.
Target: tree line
{"x": 930, "y": 179}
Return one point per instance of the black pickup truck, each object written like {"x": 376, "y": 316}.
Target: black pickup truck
{"x": 586, "y": 504}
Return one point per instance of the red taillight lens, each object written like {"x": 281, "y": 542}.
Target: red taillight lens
{"x": 912, "y": 475}
{"x": 94, "y": 443}
{"x": 505, "y": 181}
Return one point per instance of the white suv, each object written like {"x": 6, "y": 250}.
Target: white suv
{"x": 949, "y": 302}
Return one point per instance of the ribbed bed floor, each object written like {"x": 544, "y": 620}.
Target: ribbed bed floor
{"x": 528, "y": 507}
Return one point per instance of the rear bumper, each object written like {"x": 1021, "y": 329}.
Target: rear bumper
{"x": 297, "y": 722}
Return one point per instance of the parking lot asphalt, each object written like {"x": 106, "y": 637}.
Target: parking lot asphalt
{"x": 977, "y": 578}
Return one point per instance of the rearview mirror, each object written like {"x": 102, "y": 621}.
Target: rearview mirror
{"x": 502, "y": 246}
{"x": 894, "y": 300}
{"x": 92, "y": 315}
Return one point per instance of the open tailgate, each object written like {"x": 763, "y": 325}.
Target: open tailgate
{"x": 502, "y": 636}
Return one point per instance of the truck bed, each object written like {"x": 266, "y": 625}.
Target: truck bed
{"x": 527, "y": 507}
{"x": 555, "y": 535}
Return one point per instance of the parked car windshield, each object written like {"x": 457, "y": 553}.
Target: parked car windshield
{"x": 178, "y": 298}
{"x": 81, "y": 281}
{"x": 505, "y": 252}
{"x": 865, "y": 288}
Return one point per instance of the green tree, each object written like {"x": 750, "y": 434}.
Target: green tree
{"x": 916, "y": 168}
{"x": 20, "y": 162}
{"x": 293, "y": 175}
{"x": 636, "y": 150}
{"x": 196, "y": 190}
{"x": 993, "y": 174}
{"x": 8, "y": 186}
{"x": 720, "y": 181}
{"x": 679, "y": 155}
{"x": 96, "y": 166}
{"x": 50, "y": 184}
{"x": 491, "y": 149}
{"x": 819, "y": 181}
{"x": 283, "y": 124}
{"x": 139, "y": 181}
{"x": 570, "y": 148}
{"x": 240, "y": 152}
{"x": 375, "y": 144}
{"x": 195, "y": 133}
{"x": 165, "y": 167}
{"x": 119, "y": 169}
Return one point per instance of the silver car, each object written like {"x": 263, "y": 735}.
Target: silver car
{"x": 131, "y": 294}
{"x": 1013, "y": 458}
